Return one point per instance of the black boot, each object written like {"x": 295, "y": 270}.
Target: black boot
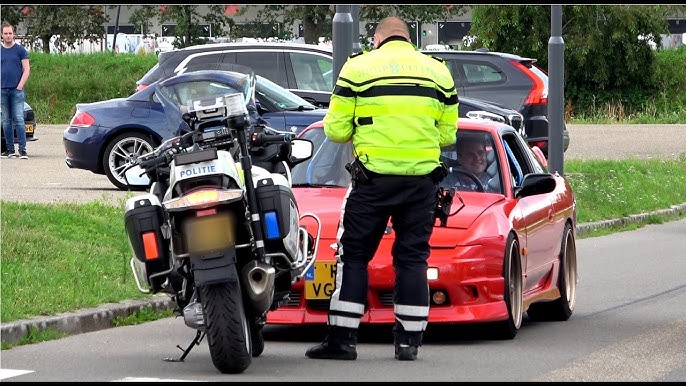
{"x": 405, "y": 352}
{"x": 340, "y": 344}
{"x": 406, "y": 343}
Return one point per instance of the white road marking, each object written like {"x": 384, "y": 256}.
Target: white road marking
{"x": 143, "y": 379}
{"x": 9, "y": 373}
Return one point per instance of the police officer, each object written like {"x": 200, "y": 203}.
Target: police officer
{"x": 399, "y": 107}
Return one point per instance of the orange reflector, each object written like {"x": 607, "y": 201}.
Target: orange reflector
{"x": 150, "y": 245}
{"x": 438, "y": 297}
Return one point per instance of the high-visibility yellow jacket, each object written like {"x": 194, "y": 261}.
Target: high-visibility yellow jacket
{"x": 399, "y": 107}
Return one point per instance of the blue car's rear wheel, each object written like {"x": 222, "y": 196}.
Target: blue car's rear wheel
{"x": 119, "y": 153}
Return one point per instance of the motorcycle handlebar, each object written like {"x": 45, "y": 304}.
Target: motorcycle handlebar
{"x": 261, "y": 139}
{"x": 154, "y": 162}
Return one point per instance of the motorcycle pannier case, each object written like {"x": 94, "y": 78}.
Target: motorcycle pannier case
{"x": 279, "y": 216}
{"x": 144, "y": 218}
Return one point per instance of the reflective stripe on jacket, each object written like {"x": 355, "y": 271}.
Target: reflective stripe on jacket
{"x": 399, "y": 107}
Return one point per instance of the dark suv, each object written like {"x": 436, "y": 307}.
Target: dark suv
{"x": 307, "y": 70}
{"x": 509, "y": 80}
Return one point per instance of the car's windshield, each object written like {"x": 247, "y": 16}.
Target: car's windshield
{"x": 327, "y": 165}
{"x": 281, "y": 97}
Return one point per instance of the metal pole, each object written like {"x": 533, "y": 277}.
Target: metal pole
{"x": 341, "y": 36}
{"x": 556, "y": 72}
{"x": 116, "y": 29}
{"x": 355, "y": 13}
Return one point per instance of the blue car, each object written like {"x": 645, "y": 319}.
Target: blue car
{"x": 105, "y": 136}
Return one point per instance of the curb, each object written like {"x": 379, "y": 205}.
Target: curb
{"x": 100, "y": 318}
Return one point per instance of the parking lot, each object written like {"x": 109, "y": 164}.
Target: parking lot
{"x": 45, "y": 178}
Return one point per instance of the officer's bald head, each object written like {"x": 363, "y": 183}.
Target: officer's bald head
{"x": 390, "y": 26}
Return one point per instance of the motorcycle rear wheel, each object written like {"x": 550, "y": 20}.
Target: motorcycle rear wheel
{"x": 228, "y": 332}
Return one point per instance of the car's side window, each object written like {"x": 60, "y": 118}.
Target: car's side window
{"x": 517, "y": 158}
{"x": 269, "y": 64}
{"x": 201, "y": 60}
{"x": 312, "y": 72}
{"x": 481, "y": 72}
{"x": 457, "y": 77}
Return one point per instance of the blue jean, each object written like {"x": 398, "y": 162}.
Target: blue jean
{"x": 13, "y": 113}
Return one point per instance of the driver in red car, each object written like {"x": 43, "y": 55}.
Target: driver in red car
{"x": 473, "y": 157}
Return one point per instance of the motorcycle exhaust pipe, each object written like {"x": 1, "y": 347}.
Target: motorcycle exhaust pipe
{"x": 258, "y": 281}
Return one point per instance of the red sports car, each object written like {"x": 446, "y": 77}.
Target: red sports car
{"x": 503, "y": 242}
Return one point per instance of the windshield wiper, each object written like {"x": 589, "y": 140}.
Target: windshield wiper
{"x": 301, "y": 108}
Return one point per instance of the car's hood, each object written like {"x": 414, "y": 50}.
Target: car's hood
{"x": 326, "y": 204}
{"x": 297, "y": 121}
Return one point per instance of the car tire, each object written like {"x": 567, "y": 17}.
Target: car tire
{"x": 119, "y": 152}
{"x": 513, "y": 291}
{"x": 561, "y": 309}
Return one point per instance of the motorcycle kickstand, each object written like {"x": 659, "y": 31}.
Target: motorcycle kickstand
{"x": 196, "y": 341}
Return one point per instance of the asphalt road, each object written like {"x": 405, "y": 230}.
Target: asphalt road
{"x": 45, "y": 177}
{"x": 629, "y": 325}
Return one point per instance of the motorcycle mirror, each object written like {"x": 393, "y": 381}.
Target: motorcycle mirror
{"x": 135, "y": 176}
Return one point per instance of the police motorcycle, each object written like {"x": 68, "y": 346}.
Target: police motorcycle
{"x": 219, "y": 229}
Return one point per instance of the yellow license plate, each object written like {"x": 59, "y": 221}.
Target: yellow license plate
{"x": 29, "y": 128}
{"x": 319, "y": 280}
{"x": 209, "y": 233}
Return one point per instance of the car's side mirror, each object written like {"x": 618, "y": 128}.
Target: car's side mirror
{"x": 536, "y": 183}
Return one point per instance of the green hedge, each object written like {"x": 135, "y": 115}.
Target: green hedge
{"x": 59, "y": 81}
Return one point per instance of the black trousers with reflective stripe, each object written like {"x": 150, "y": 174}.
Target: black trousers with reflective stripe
{"x": 409, "y": 202}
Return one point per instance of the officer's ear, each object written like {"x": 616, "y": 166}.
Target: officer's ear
{"x": 377, "y": 40}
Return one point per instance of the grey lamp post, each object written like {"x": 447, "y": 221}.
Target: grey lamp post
{"x": 556, "y": 66}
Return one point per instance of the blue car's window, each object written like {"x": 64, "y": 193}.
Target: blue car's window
{"x": 279, "y": 96}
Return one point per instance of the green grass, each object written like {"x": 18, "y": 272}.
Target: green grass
{"x": 62, "y": 257}
{"x": 35, "y": 335}
{"x": 144, "y": 315}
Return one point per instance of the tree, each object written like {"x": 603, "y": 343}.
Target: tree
{"x": 317, "y": 19}
{"x": 69, "y": 23}
{"x": 187, "y": 21}
{"x": 420, "y": 13}
{"x": 604, "y": 57}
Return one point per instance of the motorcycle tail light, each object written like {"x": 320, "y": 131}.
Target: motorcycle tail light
{"x": 150, "y": 245}
{"x": 203, "y": 198}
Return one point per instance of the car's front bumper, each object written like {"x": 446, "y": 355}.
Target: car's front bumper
{"x": 473, "y": 296}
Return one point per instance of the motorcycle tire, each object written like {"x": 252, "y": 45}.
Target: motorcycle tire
{"x": 227, "y": 328}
